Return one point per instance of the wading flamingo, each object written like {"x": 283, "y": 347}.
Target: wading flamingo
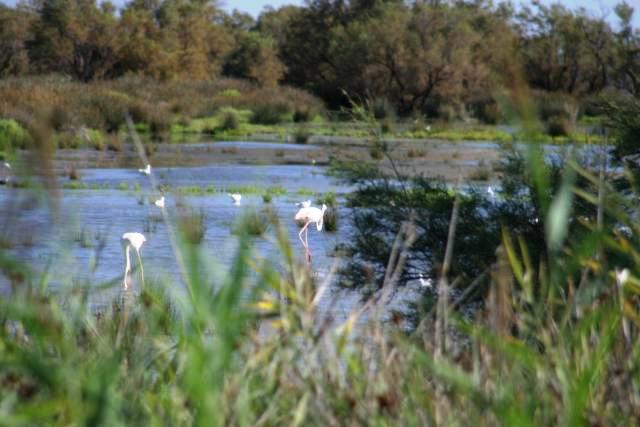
{"x": 130, "y": 240}
{"x": 309, "y": 215}
{"x": 145, "y": 171}
{"x": 160, "y": 202}
{"x": 236, "y": 198}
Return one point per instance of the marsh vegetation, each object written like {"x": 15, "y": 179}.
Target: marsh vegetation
{"x": 479, "y": 256}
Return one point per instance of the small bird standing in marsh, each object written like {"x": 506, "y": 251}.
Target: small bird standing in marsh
{"x": 160, "y": 202}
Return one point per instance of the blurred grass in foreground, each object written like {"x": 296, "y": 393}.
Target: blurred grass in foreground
{"x": 251, "y": 351}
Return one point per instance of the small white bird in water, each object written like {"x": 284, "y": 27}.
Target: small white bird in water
{"x": 425, "y": 283}
{"x": 7, "y": 165}
{"x": 129, "y": 240}
{"x": 160, "y": 202}
{"x": 491, "y": 192}
{"x": 304, "y": 204}
{"x": 145, "y": 171}
{"x": 236, "y": 198}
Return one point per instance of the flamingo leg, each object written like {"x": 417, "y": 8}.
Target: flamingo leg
{"x": 306, "y": 236}
{"x": 305, "y": 244}
{"x": 127, "y": 269}
{"x": 302, "y": 230}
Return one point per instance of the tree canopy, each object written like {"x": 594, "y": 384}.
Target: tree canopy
{"x": 419, "y": 56}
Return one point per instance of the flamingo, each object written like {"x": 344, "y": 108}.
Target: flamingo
{"x": 160, "y": 202}
{"x": 236, "y": 197}
{"x": 304, "y": 204}
{"x": 146, "y": 171}
{"x": 136, "y": 241}
{"x": 308, "y": 215}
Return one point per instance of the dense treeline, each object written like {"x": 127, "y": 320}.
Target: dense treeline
{"x": 439, "y": 58}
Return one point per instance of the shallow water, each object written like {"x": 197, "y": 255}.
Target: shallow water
{"x": 257, "y": 144}
{"x": 82, "y": 244}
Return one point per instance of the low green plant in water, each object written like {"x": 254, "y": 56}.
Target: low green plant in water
{"x": 304, "y": 191}
{"x": 75, "y": 185}
{"x": 254, "y": 222}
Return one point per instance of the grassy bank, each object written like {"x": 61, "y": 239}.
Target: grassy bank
{"x": 73, "y": 115}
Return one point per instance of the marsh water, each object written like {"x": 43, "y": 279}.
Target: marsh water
{"x": 77, "y": 240}
{"x": 80, "y": 242}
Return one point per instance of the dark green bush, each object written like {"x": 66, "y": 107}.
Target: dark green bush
{"x": 301, "y": 135}
{"x": 269, "y": 114}
{"x": 381, "y": 108}
{"x": 558, "y": 126}
{"x": 302, "y": 114}
{"x": 229, "y": 121}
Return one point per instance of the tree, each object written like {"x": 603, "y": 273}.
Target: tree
{"x": 628, "y": 51}
{"x": 75, "y": 37}
{"x": 255, "y": 57}
{"x": 15, "y": 27}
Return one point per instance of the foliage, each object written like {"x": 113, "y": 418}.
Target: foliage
{"x": 12, "y": 135}
{"x": 254, "y": 222}
{"x": 246, "y": 348}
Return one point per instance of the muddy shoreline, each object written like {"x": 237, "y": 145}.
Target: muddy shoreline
{"x": 429, "y": 158}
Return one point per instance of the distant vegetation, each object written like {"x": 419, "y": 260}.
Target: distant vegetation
{"x": 175, "y": 61}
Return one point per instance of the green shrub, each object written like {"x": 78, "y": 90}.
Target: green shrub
{"x": 229, "y": 121}
{"x": 302, "y": 115}
{"x": 254, "y": 222}
{"x": 269, "y": 114}
{"x": 230, "y": 93}
{"x": 192, "y": 226}
{"x": 12, "y": 135}
{"x": 329, "y": 198}
{"x": 301, "y": 135}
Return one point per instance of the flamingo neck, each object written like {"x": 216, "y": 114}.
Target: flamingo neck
{"x": 127, "y": 252}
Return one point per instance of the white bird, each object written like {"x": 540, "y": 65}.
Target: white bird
{"x": 7, "y": 165}
{"x": 236, "y": 198}
{"x": 145, "y": 171}
{"x": 622, "y": 276}
{"x": 130, "y": 240}
{"x": 309, "y": 215}
{"x": 491, "y": 192}
{"x": 427, "y": 128}
{"x": 425, "y": 283}
{"x": 304, "y": 203}
{"x": 160, "y": 202}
